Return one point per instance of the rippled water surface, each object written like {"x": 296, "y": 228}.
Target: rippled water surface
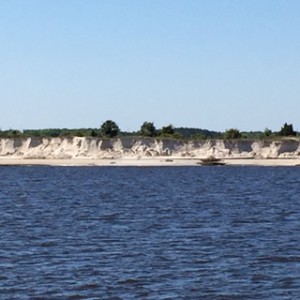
{"x": 149, "y": 233}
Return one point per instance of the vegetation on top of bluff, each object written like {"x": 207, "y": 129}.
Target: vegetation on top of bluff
{"x": 287, "y": 130}
{"x": 110, "y": 129}
{"x": 232, "y": 134}
{"x": 148, "y": 129}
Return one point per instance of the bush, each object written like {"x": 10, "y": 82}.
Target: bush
{"x": 148, "y": 129}
{"x": 109, "y": 129}
{"x": 167, "y": 130}
{"x": 287, "y": 130}
{"x": 232, "y": 134}
{"x": 267, "y": 132}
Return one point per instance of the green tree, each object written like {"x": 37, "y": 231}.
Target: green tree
{"x": 232, "y": 133}
{"x": 110, "y": 129}
{"x": 287, "y": 130}
{"x": 94, "y": 133}
{"x": 167, "y": 130}
{"x": 198, "y": 136}
{"x": 267, "y": 132}
{"x": 148, "y": 129}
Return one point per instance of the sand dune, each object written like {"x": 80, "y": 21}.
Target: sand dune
{"x": 146, "y": 151}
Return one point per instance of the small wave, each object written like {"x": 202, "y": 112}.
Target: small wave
{"x": 286, "y": 282}
{"x": 76, "y": 297}
{"x": 87, "y": 286}
{"x": 129, "y": 281}
{"x": 260, "y": 277}
{"x": 47, "y": 244}
{"x": 281, "y": 259}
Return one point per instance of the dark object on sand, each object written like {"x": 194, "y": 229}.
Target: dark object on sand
{"x": 211, "y": 161}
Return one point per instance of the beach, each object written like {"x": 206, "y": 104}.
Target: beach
{"x": 143, "y": 162}
{"x": 82, "y": 151}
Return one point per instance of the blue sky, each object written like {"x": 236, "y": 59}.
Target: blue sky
{"x": 213, "y": 64}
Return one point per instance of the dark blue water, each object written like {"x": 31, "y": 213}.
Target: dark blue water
{"x": 149, "y": 233}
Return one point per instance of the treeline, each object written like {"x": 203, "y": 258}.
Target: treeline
{"x": 110, "y": 129}
{"x": 51, "y": 132}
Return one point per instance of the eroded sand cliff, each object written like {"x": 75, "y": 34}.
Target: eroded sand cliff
{"x": 96, "y": 148}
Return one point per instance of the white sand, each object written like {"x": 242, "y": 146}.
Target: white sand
{"x": 155, "y": 161}
{"x": 81, "y": 151}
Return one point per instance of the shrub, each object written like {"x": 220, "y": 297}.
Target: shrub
{"x": 232, "y": 133}
{"x": 287, "y": 130}
{"x": 109, "y": 129}
{"x": 148, "y": 129}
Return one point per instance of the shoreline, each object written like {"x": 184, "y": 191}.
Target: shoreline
{"x": 143, "y": 162}
{"x": 82, "y": 151}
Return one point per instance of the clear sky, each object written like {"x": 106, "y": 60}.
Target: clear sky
{"x": 213, "y": 64}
